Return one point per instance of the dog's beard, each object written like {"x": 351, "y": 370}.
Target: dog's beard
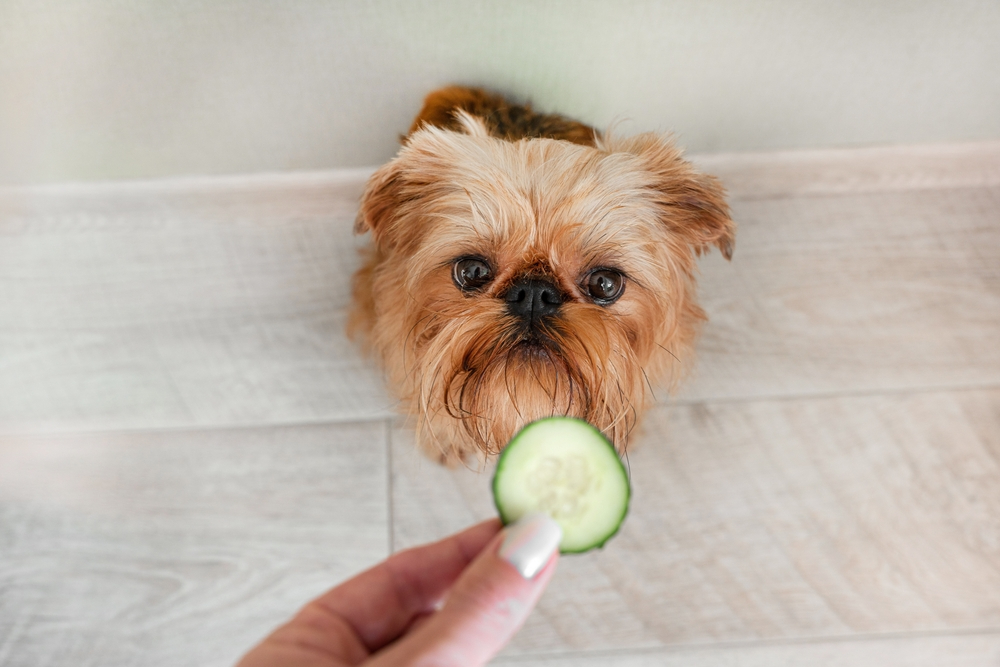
{"x": 481, "y": 377}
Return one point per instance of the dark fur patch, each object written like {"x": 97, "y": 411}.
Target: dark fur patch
{"x": 505, "y": 119}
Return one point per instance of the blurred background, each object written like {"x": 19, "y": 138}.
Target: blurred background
{"x": 110, "y": 89}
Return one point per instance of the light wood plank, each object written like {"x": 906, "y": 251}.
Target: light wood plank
{"x": 805, "y": 173}
{"x": 183, "y": 547}
{"x": 769, "y": 520}
{"x": 977, "y": 650}
{"x": 854, "y": 293}
{"x": 216, "y": 302}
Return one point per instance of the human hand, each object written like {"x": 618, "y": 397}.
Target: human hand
{"x": 392, "y": 615}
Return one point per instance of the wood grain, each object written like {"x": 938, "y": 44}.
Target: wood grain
{"x": 974, "y": 650}
{"x": 180, "y": 304}
{"x": 854, "y": 293}
{"x": 769, "y": 520}
{"x": 183, "y": 547}
{"x": 805, "y": 173}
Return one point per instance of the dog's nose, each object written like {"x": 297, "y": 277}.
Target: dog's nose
{"x": 533, "y": 299}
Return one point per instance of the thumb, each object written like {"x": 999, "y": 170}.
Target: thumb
{"x": 489, "y": 602}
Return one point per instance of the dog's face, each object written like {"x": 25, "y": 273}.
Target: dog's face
{"x": 516, "y": 280}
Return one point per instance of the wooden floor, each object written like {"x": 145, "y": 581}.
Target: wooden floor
{"x": 190, "y": 448}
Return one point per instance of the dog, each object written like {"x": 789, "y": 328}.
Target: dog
{"x": 525, "y": 265}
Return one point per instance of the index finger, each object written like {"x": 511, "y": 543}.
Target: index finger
{"x": 381, "y": 602}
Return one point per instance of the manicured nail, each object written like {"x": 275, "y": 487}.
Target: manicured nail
{"x": 529, "y": 542}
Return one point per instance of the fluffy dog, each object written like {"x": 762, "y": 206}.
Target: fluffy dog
{"x": 524, "y": 265}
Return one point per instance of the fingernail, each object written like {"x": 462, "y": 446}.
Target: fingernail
{"x": 529, "y": 542}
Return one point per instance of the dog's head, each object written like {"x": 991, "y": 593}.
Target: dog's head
{"x": 517, "y": 280}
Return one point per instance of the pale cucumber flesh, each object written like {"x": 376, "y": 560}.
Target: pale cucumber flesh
{"x": 566, "y": 468}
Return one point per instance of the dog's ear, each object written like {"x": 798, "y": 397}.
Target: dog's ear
{"x": 694, "y": 204}
{"x": 391, "y": 202}
{"x": 400, "y": 198}
{"x": 382, "y": 196}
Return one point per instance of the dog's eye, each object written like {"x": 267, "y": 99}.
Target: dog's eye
{"x": 471, "y": 273}
{"x": 605, "y": 286}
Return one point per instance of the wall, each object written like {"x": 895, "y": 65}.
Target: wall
{"x": 109, "y": 89}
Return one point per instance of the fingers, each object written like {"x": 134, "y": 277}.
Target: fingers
{"x": 380, "y": 603}
{"x": 487, "y": 604}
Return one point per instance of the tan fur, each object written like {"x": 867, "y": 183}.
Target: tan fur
{"x": 539, "y": 207}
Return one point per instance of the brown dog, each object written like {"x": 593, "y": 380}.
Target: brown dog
{"x": 524, "y": 266}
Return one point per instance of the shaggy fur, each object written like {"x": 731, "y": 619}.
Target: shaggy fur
{"x": 471, "y": 180}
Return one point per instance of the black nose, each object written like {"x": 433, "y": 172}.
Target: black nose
{"x": 533, "y": 299}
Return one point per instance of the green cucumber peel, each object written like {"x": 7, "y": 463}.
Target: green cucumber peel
{"x": 566, "y": 468}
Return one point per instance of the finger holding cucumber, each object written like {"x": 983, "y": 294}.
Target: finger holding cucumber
{"x": 566, "y": 468}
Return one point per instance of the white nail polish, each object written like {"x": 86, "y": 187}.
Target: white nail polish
{"x": 529, "y": 543}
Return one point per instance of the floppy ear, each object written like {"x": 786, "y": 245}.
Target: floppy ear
{"x": 694, "y": 204}
{"x": 393, "y": 201}
{"x": 398, "y": 195}
{"x": 383, "y": 195}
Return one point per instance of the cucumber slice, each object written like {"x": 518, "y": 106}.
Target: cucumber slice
{"x": 566, "y": 468}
